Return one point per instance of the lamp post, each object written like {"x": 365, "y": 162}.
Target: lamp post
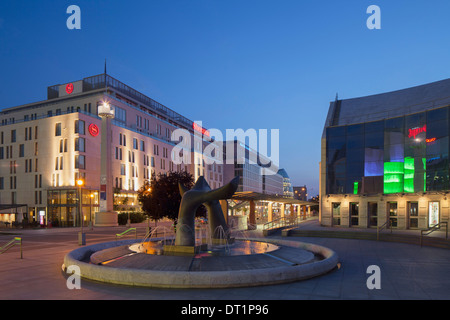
{"x": 90, "y": 210}
{"x": 81, "y": 235}
{"x": 148, "y": 218}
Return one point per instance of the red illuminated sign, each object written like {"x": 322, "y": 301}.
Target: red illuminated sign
{"x": 415, "y": 131}
{"x": 69, "y": 88}
{"x": 430, "y": 140}
{"x": 198, "y": 128}
{"x": 93, "y": 130}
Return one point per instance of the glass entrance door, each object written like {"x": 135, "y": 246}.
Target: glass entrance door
{"x": 372, "y": 211}
{"x": 413, "y": 215}
{"x": 336, "y": 214}
{"x": 392, "y": 212}
{"x": 354, "y": 213}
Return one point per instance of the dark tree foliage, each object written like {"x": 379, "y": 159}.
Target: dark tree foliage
{"x": 160, "y": 197}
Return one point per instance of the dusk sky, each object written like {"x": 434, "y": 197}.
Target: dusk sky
{"x": 231, "y": 64}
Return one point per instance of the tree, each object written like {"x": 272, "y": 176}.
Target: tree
{"x": 160, "y": 197}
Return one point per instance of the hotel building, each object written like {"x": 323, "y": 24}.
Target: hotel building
{"x": 47, "y": 146}
{"x": 385, "y": 159}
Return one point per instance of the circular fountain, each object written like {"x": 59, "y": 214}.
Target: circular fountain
{"x": 210, "y": 256}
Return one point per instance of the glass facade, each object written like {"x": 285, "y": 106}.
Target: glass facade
{"x": 63, "y": 206}
{"x": 406, "y": 154}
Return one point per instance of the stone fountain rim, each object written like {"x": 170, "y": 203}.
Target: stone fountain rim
{"x": 207, "y": 279}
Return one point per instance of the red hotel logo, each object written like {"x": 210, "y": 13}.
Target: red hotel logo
{"x": 415, "y": 131}
{"x": 93, "y": 130}
{"x": 199, "y": 129}
{"x": 69, "y": 88}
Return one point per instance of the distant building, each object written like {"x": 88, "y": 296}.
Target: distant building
{"x": 301, "y": 193}
{"x": 287, "y": 185}
{"x": 251, "y": 176}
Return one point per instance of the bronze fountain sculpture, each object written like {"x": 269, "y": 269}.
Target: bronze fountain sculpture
{"x": 201, "y": 193}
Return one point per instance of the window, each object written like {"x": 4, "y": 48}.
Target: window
{"x": 122, "y": 169}
{"x": 142, "y": 145}
{"x": 13, "y": 135}
{"x": 80, "y": 144}
{"x": 79, "y": 127}
{"x": 58, "y": 129}
{"x": 120, "y": 114}
{"x": 135, "y": 144}
{"x": 80, "y": 162}
{"x": 21, "y": 150}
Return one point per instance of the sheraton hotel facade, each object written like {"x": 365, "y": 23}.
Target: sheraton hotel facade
{"x": 385, "y": 159}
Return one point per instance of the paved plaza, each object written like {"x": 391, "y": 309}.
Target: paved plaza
{"x": 407, "y": 272}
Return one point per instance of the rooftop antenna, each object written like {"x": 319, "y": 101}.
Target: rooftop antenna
{"x": 105, "y": 66}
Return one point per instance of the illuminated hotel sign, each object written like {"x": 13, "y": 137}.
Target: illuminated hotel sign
{"x": 199, "y": 129}
{"x": 69, "y": 88}
{"x": 412, "y": 133}
{"x": 93, "y": 130}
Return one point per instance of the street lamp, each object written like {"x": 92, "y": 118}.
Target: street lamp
{"x": 81, "y": 235}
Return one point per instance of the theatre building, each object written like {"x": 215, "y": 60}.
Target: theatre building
{"x": 385, "y": 159}
{"x": 96, "y": 140}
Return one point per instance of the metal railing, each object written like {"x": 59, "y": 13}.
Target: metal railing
{"x": 12, "y": 243}
{"x": 282, "y": 222}
{"x": 120, "y": 235}
{"x": 386, "y": 225}
{"x": 432, "y": 229}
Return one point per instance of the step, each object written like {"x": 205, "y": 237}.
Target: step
{"x": 390, "y": 237}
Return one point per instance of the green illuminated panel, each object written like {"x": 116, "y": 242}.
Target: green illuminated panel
{"x": 393, "y": 177}
{"x": 355, "y": 187}
{"x": 399, "y": 176}
{"x": 424, "y": 161}
{"x": 409, "y": 175}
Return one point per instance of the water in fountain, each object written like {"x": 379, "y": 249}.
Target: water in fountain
{"x": 150, "y": 238}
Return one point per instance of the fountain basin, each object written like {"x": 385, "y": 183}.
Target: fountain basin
{"x": 276, "y": 267}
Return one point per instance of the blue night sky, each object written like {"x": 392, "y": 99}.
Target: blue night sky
{"x": 231, "y": 64}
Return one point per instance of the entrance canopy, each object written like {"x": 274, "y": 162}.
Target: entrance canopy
{"x": 255, "y": 196}
{"x": 12, "y": 206}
